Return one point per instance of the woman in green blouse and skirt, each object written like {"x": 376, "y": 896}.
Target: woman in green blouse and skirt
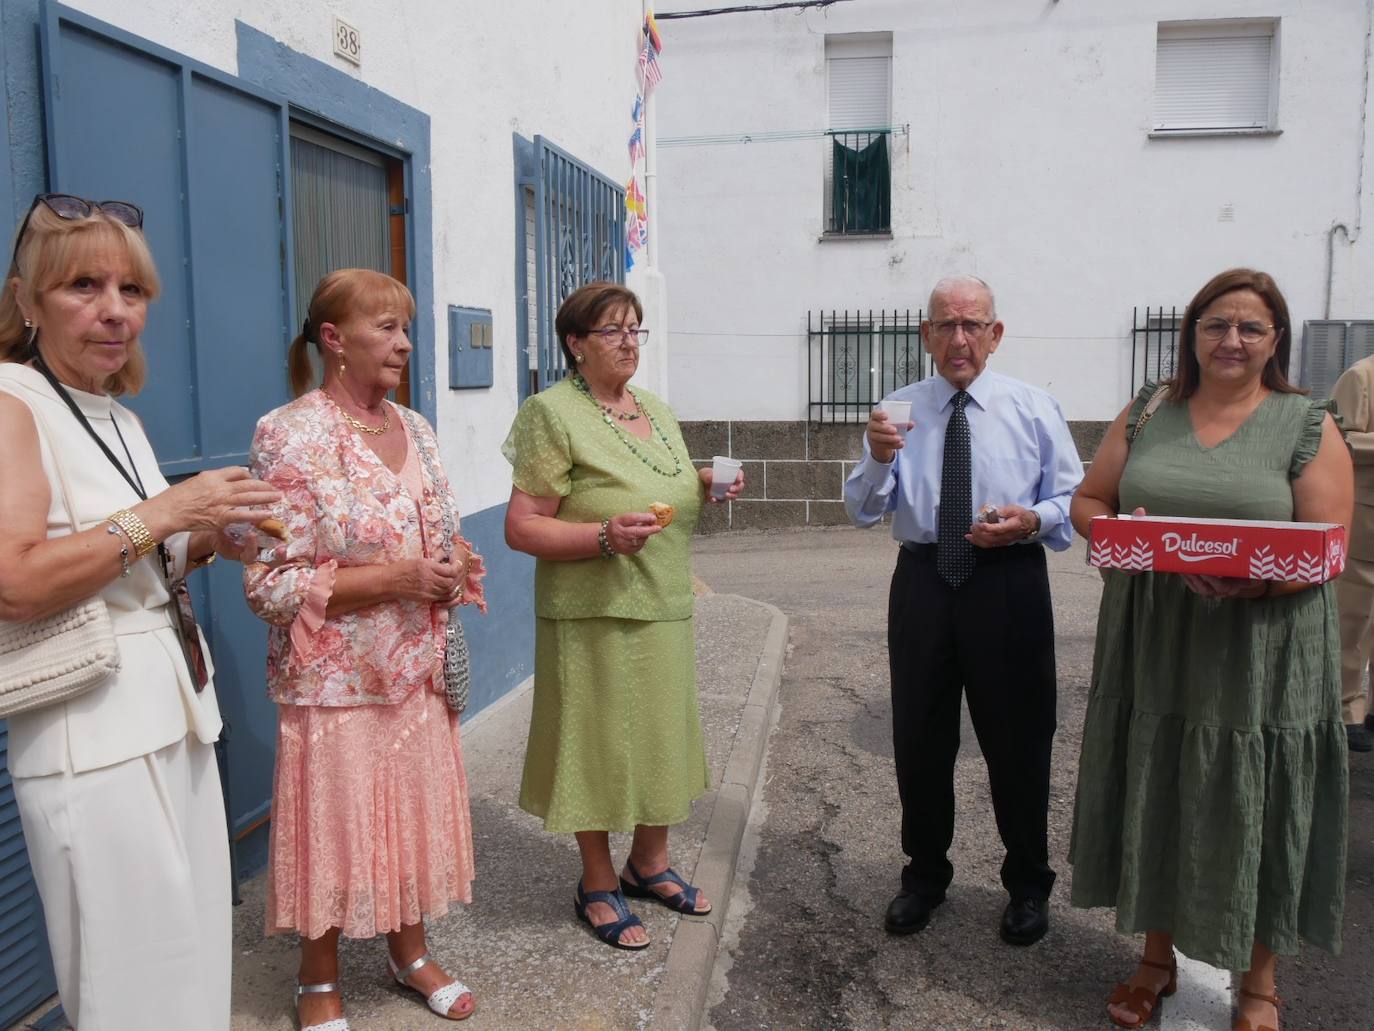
{"x": 615, "y": 740}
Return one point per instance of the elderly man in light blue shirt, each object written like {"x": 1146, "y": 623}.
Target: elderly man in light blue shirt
{"x": 977, "y": 481}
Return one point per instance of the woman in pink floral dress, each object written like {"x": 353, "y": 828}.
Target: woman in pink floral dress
{"x": 370, "y": 825}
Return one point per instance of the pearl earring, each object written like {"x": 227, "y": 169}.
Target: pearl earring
{"x": 28, "y": 324}
{"x": 580, "y": 358}
{"x": 342, "y": 366}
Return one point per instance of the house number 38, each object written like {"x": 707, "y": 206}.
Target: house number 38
{"x": 348, "y": 42}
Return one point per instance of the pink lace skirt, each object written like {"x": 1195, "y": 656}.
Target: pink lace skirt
{"x": 370, "y": 823}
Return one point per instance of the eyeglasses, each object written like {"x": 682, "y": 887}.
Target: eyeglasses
{"x": 73, "y": 209}
{"x": 1215, "y": 329}
{"x": 612, "y": 335}
{"x": 945, "y": 330}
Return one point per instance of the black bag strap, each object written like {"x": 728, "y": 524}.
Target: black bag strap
{"x": 135, "y": 481}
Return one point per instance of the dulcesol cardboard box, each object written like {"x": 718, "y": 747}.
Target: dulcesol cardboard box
{"x": 1298, "y": 552}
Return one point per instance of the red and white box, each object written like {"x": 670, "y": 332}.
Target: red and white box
{"x": 1310, "y": 553}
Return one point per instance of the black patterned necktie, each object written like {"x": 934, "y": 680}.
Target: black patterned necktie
{"x": 953, "y": 554}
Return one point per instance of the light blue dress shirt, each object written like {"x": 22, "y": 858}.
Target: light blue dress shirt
{"x": 1023, "y": 455}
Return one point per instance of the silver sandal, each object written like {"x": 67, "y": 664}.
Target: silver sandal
{"x": 442, "y": 1000}
{"x": 337, "y": 1024}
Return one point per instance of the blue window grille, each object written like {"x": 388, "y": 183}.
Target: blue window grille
{"x": 570, "y": 229}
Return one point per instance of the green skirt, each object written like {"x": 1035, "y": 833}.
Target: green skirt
{"x": 1212, "y": 784}
{"x": 615, "y": 737}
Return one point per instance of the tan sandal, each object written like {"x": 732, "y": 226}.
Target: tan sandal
{"x": 1243, "y": 1023}
{"x": 1140, "y": 1000}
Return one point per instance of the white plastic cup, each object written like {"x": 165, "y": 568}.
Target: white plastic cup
{"x": 898, "y": 413}
{"x": 723, "y": 473}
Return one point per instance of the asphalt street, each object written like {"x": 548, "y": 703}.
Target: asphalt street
{"x": 803, "y": 945}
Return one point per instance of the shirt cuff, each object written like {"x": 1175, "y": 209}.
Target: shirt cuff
{"x": 1050, "y": 518}
{"x": 473, "y": 593}
{"x": 879, "y": 475}
{"x": 310, "y": 616}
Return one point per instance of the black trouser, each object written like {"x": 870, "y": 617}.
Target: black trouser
{"x": 994, "y": 638}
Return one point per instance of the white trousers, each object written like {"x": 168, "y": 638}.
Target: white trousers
{"x": 132, "y": 865}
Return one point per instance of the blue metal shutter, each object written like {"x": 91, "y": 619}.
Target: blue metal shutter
{"x": 26, "y": 976}
{"x": 579, "y": 239}
{"x": 204, "y": 154}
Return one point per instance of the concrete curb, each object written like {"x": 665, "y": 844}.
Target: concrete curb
{"x": 681, "y": 997}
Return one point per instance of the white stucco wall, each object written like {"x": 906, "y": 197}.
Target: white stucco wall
{"x": 1028, "y": 163}
{"x": 481, "y": 72}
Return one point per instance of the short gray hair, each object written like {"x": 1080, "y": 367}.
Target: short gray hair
{"x": 948, "y": 283}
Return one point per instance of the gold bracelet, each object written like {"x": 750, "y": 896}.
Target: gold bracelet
{"x": 136, "y": 531}
{"x": 202, "y": 562}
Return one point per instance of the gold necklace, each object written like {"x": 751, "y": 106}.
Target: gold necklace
{"x": 358, "y": 424}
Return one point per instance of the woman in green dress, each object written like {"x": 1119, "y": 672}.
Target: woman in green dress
{"x": 615, "y": 741}
{"x": 1211, "y": 804}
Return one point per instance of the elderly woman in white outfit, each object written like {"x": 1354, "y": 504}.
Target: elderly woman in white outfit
{"x": 118, "y": 789}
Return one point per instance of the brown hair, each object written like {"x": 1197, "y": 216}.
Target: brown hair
{"x": 342, "y": 293}
{"x": 579, "y": 314}
{"x": 51, "y": 252}
{"x": 1275, "y": 373}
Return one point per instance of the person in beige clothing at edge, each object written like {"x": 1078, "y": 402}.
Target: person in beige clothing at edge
{"x": 1354, "y": 397}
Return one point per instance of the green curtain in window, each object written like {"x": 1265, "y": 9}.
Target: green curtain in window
{"x": 862, "y": 188}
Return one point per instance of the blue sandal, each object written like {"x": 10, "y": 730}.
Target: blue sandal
{"x": 609, "y": 933}
{"x": 684, "y": 901}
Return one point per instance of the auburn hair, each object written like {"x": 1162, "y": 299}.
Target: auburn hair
{"x": 341, "y": 294}
{"x": 583, "y": 309}
{"x": 1275, "y": 373}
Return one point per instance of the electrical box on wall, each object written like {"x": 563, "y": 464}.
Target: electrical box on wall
{"x": 469, "y": 348}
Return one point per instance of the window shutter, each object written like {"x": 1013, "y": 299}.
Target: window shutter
{"x": 1213, "y": 82}
{"x": 860, "y": 92}
{"x": 1323, "y": 356}
{"x": 340, "y": 211}
{"x": 26, "y": 976}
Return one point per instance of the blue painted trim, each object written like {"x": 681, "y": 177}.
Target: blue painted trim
{"x": 50, "y": 1021}
{"x": 316, "y": 89}
{"x": 8, "y": 224}
{"x": 27, "y": 172}
{"x": 502, "y": 641}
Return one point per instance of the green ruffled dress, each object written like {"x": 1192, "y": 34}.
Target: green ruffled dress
{"x": 1212, "y": 783}
{"x": 615, "y": 736}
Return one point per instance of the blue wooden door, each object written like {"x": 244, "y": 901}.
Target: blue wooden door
{"x": 204, "y": 154}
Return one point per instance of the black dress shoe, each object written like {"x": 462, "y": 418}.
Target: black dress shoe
{"x": 1358, "y": 738}
{"x": 909, "y": 913}
{"x": 1025, "y": 921}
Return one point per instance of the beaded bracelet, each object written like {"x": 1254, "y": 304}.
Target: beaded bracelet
{"x": 115, "y": 531}
{"x": 604, "y": 541}
{"x": 136, "y": 531}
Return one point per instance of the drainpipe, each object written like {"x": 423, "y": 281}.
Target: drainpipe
{"x": 1352, "y": 235}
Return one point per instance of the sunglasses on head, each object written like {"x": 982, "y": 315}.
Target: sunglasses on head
{"x": 73, "y": 209}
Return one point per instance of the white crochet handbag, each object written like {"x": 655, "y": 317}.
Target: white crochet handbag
{"x": 54, "y": 659}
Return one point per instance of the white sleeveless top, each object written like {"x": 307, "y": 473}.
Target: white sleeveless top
{"x": 150, "y": 701}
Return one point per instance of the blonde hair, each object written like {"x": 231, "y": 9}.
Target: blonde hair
{"x": 343, "y": 293}
{"x": 51, "y": 252}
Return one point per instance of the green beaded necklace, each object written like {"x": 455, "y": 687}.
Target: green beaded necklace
{"x": 581, "y": 384}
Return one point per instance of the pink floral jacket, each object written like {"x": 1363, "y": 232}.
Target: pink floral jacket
{"x": 344, "y": 507}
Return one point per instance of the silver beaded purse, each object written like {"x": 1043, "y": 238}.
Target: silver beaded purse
{"x": 457, "y": 661}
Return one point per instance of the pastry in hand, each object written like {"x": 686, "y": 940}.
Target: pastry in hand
{"x": 988, "y": 514}
{"x": 273, "y": 527}
{"x": 662, "y": 512}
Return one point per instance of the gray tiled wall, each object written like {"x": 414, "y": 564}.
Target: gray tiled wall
{"x": 795, "y": 471}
